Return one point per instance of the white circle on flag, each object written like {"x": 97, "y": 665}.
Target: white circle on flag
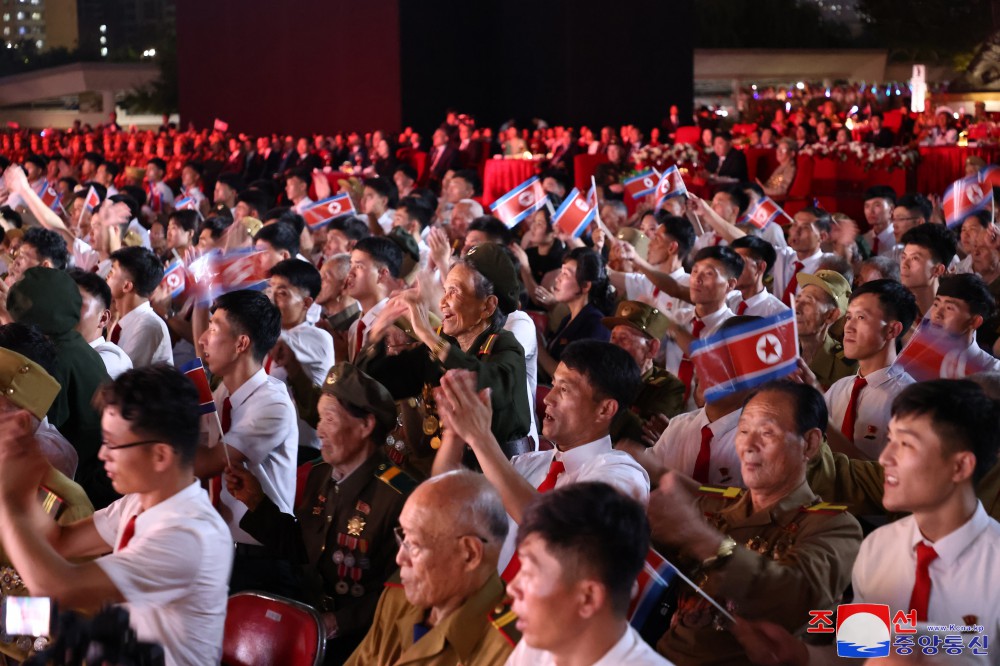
{"x": 647, "y": 181}
{"x": 581, "y": 204}
{"x": 769, "y": 348}
{"x": 974, "y": 193}
{"x": 173, "y": 281}
{"x": 526, "y": 198}
{"x": 334, "y": 207}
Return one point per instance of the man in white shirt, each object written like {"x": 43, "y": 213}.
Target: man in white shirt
{"x": 962, "y": 303}
{"x": 591, "y": 383}
{"x": 877, "y": 315}
{"x": 880, "y": 200}
{"x": 750, "y": 297}
{"x": 259, "y": 427}
{"x": 135, "y": 274}
{"x": 377, "y": 200}
{"x": 660, "y": 278}
{"x": 926, "y": 252}
{"x": 297, "y": 189}
{"x": 95, "y": 314}
{"x": 582, "y": 547}
{"x": 807, "y": 233}
{"x": 375, "y": 264}
{"x": 162, "y": 551}
{"x": 159, "y": 196}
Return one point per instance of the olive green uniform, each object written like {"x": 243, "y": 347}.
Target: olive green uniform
{"x": 829, "y": 364}
{"x": 661, "y": 393}
{"x": 795, "y": 557}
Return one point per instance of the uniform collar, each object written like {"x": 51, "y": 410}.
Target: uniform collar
{"x": 742, "y": 513}
{"x": 952, "y": 546}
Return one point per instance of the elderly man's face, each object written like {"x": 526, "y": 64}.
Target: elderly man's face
{"x": 772, "y": 454}
{"x": 812, "y": 308}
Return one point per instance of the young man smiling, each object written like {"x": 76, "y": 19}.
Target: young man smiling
{"x": 375, "y": 263}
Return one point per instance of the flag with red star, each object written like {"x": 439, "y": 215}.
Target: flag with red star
{"x": 746, "y": 356}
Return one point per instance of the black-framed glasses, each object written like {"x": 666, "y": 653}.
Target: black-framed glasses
{"x": 105, "y": 444}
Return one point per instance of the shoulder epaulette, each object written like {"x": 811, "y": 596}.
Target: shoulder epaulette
{"x": 824, "y": 507}
{"x": 730, "y": 492}
{"x": 52, "y": 504}
{"x": 657, "y": 380}
{"x": 504, "y": 619}
{"x": 395, "y": 478}
{"x": 487, "y": 346}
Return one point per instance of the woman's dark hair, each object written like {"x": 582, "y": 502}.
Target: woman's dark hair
{"x": 590, "y": 268}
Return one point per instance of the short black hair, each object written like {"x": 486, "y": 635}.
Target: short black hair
{"x": 29, "y": 341}
{"x": 113, "y": 168}
{"x": 495, "y": 230}
{"x": 916, "y": 202}
{"x": 824, "y": 221}
{"x": 938, "y": 239}
{"x": 897, "y": 302}
{"x": 143, "y": 266}
{"x": 472, "y": 178}
{"x": 280, "y": 236}
{"x": 91, "y": 156}
{"x": 300, "y": 274}
{"x": 350, "y": 226}
{"x": 809, "y": 408}
{"x": 158, "y": 163}
{"x": 727, "y": 256}
{"x": 186, "y": 219}
{"x": 881, "y": 192}
{"x": 231, "y": 180}
{"x": 383, "y": 252}
{"x": 680, "y": 229}
{"x": 963, "y": 417}
{"x": 256, "y": 200}
{"x": 740, "y": 198}
{"x": 302, "y": 173}
{"x": 759, "y": 249}
{"x": 93, "y": 284}
{"x": 407, "y": 170}
{"x": 134, "y": 203}
{"x": 48, "y": 245}
{"x": 215, "y": 225}
{"x": 971, "y": 289}
{"x": 593, "y": 530}
{"x": 414, "y": 209}
{"x": 12, "y": 216}
{"x": 159, "y": 403}
{"x": 610, "y": 370}
{"x": 197, "y": 167}
{"x": 383, "y": 187}
{"x": 251, "y": 313}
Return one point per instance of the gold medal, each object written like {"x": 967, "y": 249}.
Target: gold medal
{"x": 430, "y": 424}
{"x": 435, "y": 443}
{"x": 355, "y": 526}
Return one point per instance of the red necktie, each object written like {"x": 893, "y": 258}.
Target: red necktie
{"x": 686, "y": 370}
{"x": 547, "y": 484}
{"x": 227, "y": 415}
{"x": 359, "y": 339}
{"x": 742, "y": 308}
{"x": 851, "y": 413}
{"x": 704, "y": 456}
{"x": 922, "y": 585}
{"x": 129, "y": 532}
{"x": 793, "y": 284}
{"x": 875, "y": 246}
{"x": 116, "y": 333}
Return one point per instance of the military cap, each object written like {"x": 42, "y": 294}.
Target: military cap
{"x": 348, "y": 384}
{"x": 636, "y": 239}
{"x": 26, "y": 384}
{"x": 492, "y": 262}
{"x": 410, "y": 249}
{"x": 253, "y": 225}
{"x": 640, "y": 316}
{"x": 832, "y": 282}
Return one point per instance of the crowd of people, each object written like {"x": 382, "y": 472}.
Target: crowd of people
{"x": 462, "y": 442}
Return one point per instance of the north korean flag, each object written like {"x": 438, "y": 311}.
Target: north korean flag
{"x": 186, "y": 203}
{"x": 520, "y": 202}
{"x": 242, "y": 269}
{"x": 656, "y": 576}
{"x": 671, "y": 185}
{"x": 746, "y": 356}
{"x": 93, "y": 199}
{"x": 50, "y": 198}
{"x": 573, "y": 215}
{"x": 967, "y": 196}
{"x": 764, "y": 212}
{"x": 220, "y": 125}
{"x": 934, "y": 353}
{"x": 174, "y": 279}
{"x": 322, "y": 212}
{"x": 641, "y": 184}
{"x": 195, "y": 371}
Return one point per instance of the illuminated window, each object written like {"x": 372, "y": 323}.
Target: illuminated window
{"x": 104, "y": 40}
{"x": 104, "y": 28}
{"x": 104, "y": 51}
{"x": 20, "y": 16}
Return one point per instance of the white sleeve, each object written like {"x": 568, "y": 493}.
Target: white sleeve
{"x": 107, "y": 520}
{"x": 637, "y": 286}
{"x": 157, "y": 568}
{"x": 266, "y": 430}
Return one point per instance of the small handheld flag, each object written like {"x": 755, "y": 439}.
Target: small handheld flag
{"x": 934, "y": 353}
{"x": 641, "y": 184}
{"x": 195, "y": 371}
{"x": 92, "y": 201}
{"x": 969, "y": 195}
{"x": 323, "y": 212}
{"x": 220, "y": 125}
{"x": 242, "y": 269}
{"x": 671, "y": 185}
{"x": 175, "y": 279}
{"x": 764, "y": 212}
{"x": 573, "y": 215}
{"x": 186, "y": 203}
{"x": 654, "y": 579}
{"x": 520, "y": 202}
{"x": 746, "y": 356}
{"x": 50, "y": 198}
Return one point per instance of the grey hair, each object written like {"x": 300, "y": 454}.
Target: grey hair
{"x": 479, "y": 503}
{"x": 341, "y": 264}
{"x": 475, "y": 206}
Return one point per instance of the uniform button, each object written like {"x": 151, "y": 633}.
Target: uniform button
{"x": 25, "y": 370}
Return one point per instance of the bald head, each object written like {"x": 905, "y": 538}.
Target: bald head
{"x": 464, "y": 501}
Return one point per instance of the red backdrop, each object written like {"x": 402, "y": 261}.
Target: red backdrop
{"x": 317, "y": 65}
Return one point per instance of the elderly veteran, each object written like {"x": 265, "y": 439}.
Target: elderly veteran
{"x": 25, "y": 385}
{"x": 480, "y": 290}
{"x": 342, "y": 530}
{"x": 772, "y": 552}
{"x": 638, "y": 328}
{"x": 819, "y": 305}
{"x": 446, "y": 609}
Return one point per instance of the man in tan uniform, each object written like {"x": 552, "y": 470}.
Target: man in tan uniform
{"x": 774, "y": 551}
{"x": 447, "y": 608}
{"x": 819, "y": 305}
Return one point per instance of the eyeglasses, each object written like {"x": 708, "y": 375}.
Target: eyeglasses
{"x": 414, "y": 551}
{"x": 130, "y": 444}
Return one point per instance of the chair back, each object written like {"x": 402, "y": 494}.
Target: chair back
{"x": 263, "y": 629}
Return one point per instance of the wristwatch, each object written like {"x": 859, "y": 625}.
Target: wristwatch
{"x": 725, "y": 551}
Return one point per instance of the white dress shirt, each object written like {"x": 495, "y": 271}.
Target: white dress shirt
{"x": 761, "y": 304}
{"x": 115, "y": 359}
{"x": 352, "y": 333}
{"x": 173, "y": 574}
{"x": 265, "y": 429}
{"x": 523, "y": 328}
{"x": 784, "y": 267}
{"x": 145, "y": 338}
{"x": 630, "y": 650}
{"x": 678, "y": 447}
{"x": 871, "y": 426}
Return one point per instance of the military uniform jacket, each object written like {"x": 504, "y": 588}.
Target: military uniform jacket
{"x": 661, "y": 393}
{"x": 342, "y": 534}
{"x": 468, "y": 636}
{"x": 497, "y": 358}
{"x": 795, "y": 557}
{"x": 829, "y": 364}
